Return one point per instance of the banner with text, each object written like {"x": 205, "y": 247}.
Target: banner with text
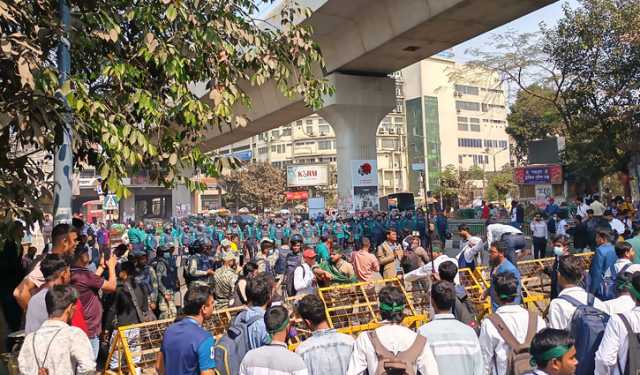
{"x": 307, "y": 175}
{"x": 364, "y": 178}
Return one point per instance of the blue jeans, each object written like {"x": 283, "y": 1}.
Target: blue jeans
{"x": 514, "y": 242}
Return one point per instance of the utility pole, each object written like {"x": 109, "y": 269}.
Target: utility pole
{"x": 63, "y": 163}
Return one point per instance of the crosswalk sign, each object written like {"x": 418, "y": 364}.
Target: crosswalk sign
{"x": 110, "y": 202}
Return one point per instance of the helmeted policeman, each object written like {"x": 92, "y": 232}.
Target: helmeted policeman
{"x": 146, "y": 277}
{"x": 167, "y": 275}
{"x": 200, "y": 268}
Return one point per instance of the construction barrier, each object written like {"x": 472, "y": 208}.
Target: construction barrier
{"x": 350, "y": 308}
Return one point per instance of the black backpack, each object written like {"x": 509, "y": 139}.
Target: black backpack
{"x": 288, "y": 281}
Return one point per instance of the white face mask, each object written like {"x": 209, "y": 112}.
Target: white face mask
{"x": 558, "y": 250}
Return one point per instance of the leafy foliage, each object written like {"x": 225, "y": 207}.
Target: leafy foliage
{"x": 454, "y": 186}
{"x": 132, "y": 93}
{"x": 256, "y": 184}
{"x": 533, "y": 116}
{"x": 500, "y": 184}
{"x": 587, "y": 68}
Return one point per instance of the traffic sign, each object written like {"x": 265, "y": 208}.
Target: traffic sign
{"x": 110, "y": 202}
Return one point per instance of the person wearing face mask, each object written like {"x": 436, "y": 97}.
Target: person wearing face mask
{"x": 56, "y": 346}
{"x": 167, "y": 276}
{"x": 560, "y": 248}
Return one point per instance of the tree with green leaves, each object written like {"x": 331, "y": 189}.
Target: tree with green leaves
{"x": 257, "y": 186}
{"x": 585, "y": 72}
{"x": 453, "y": 186}
{"x": 131, "y": 90}
{"x": 500, "y": 184}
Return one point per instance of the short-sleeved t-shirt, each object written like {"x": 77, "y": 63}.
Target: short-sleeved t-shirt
{"x": 88, "y": 284}
{"x": 187, "y": 348}
{"x": 37, "y": 313}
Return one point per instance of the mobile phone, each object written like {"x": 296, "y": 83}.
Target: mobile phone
{"x": 106, "y": 254}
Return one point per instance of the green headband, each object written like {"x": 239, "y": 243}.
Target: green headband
{"x": 507, "y": 296}
{"x": 632, "y": 289}
{"x": 555, "y": 352}
{"x": 280, "y": 327}
{"x": 391, "y": 308}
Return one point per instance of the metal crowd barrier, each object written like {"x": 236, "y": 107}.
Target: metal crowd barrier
{"x": 350, "y": 308}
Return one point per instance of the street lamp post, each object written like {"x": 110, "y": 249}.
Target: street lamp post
{"x": 63, "y": 163}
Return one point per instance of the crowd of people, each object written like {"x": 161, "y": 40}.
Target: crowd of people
{"x": 86, "y": 284}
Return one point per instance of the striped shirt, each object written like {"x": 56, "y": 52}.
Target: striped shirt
{"x": 454, "y": 344}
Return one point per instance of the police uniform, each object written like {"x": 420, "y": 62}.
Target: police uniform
{"x": 167, "y": 276}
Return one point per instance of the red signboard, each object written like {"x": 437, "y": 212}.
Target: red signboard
{"x": 539, "y": 174}
{"x": 297, "y": 195}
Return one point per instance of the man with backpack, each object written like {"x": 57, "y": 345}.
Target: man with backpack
{"x": 553, "y": 352}
{"x": 248, "y": 330}
{"x": 603, "y": 259}
{"x": 570, "y": 271}
{"x": 624, "y": 302}
{"x": 580, "y": 312}
{"x": 454, "y": 344}
{"x": 392, "y": 348}
{"x": 506, "y": 335}
{"x": 625, "y": 254}
{"x": 620, "y": 346}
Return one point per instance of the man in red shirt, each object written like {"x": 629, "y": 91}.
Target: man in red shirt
{"x": 88, "y": 283}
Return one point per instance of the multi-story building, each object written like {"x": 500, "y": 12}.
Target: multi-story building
{"x": 311, "y": 140}
{"x": 456, "y": 115}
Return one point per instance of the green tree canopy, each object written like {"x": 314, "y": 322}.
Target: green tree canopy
{"x": 134, "y": 67}
{"x": 589, "y": 67}
{"x": 258, "y": 185}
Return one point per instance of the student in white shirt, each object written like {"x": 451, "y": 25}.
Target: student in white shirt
{"x": 611, "y": 357}
{"x": 494, "y": 349}
{"x": 624, "y": 302}
{"x": 625, "y": 254}
{"x": 304, "y": 281}
{"x": 553, "y": 352}
{"x": 570, "y": 269}
{"x": 426, "y": 270}
{"x": 470, "y": 247}
{"x": 392, "y": 336}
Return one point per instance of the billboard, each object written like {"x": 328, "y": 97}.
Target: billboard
{"x": 297, "y": 195}
{"x": 364, "y": 177}
{"x": 536, "y": 175}
{"x": 307, "y": 175}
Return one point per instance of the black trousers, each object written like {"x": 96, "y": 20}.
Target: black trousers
{"x": 539, "y": 247}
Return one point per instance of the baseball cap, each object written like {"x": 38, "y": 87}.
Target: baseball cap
{"x": 309, "y": 253}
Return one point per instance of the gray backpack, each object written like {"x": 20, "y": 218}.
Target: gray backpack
{"x": 232, "y": 347}
{"x": 633, "y": 360}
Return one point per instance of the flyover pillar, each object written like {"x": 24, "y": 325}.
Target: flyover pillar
{"x": 355, "y": 110}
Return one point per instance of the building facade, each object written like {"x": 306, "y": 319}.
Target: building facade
{"x": 455, "y": 115}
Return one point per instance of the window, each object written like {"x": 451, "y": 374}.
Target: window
{"x": 275, "y": 133}
{"x": 273, "y": 148}
{"x": 459, "y": 159}
{"x": 475, "y": 127}
{"x": 309, "y": 129}
{"x": 321, "y": 121}
{"x": 324, "y": 145}
{"x": 467, "y": 106}
{"x": 324, "y": 129}
{"x": 486, "y": 107}
{"x": 467, "y": 90}
{"x": 503, "y": 144}
{"x": 469, "y": 142}
{"x": 496, "y": 91}
{"x": 263, "y": 150}
{"x": 286, "y": 132}
{"x": 463, "y": 123}
{"x": 309, "y": 122}
{"x": 389, "y": 144}
{"x": 299, "y": 122}
{"x": 474, "y": 120}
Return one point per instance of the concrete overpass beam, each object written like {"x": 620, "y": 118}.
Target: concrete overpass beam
{"x": 355, "y": 111}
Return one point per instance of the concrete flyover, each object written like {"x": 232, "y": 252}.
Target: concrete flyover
{"x": 367, "y": 40}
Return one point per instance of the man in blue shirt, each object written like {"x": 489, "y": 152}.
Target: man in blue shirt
{"x": 187, "y": 348}
{"x": 500, "y": 264}
{"x": 604, "y": 257}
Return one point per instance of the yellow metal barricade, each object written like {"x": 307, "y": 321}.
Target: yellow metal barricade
{"x": 350, "y": 308}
